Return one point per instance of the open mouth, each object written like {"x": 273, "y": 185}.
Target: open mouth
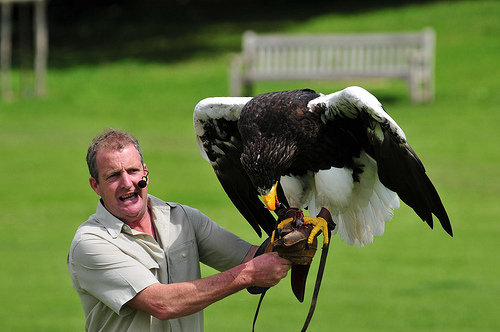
{"x": 128, "y": 197}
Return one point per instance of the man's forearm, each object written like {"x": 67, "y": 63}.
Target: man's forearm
{"x": 185, "y": 298}
{"x": 182, "y": 299}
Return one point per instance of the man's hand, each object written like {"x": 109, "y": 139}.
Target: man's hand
{"x": 268, "y": 269}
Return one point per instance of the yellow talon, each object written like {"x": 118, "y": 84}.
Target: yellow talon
{"x": 280, "y": 226}
{"x": 320, "y": 224}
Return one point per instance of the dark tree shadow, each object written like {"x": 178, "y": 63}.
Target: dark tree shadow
{"x": 99, "y": 31}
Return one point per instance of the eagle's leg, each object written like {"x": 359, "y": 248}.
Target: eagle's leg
{"x": 321, "y": 224}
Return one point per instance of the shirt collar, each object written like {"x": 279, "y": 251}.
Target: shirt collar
{"x": 112, "y": 224}
{"x": 115, "y": 226}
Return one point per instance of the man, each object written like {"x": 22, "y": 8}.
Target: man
{"x": 135, "y": 262}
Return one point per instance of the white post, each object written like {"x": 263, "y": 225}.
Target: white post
{"x": 41, "y": 44}
{"x": 6, "y": 49}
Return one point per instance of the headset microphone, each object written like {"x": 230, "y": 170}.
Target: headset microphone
{"x": 144, "y": 181}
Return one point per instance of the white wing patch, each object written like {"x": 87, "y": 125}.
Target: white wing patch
{"x": 228, "y": 108}
{"x": 350, "y": 102}
{"x": 213, "y": 109}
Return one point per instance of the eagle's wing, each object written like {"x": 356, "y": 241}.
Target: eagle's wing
{"x": 216, "y": 127}
{"x": 399, "y": 168}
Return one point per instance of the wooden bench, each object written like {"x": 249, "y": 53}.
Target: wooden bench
{"x": 277, "y": 57}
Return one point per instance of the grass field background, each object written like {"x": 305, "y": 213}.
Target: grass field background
{"x": 411, "y": 279}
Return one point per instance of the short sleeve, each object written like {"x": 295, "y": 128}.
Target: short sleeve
{"x": 218, "y": 248}
{"x": 107, "y": 273}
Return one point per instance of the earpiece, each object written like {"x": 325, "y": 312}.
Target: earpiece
{"x": 144, "y": 181}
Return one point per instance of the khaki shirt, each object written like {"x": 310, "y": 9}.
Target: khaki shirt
{"x": 110, "y": 263}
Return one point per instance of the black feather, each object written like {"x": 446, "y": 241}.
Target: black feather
{"x": 401, "y": 170}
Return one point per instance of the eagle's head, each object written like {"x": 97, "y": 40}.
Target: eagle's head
{"x": 265, "y": 161}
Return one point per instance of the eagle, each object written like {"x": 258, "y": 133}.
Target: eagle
{"x": 300, "y": 149}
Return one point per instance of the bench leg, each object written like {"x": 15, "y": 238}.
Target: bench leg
{"x": 421, "y": 89}
{"x": 415, "y": 89}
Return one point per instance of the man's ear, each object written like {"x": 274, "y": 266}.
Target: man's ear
{"x": 95, "y": 185}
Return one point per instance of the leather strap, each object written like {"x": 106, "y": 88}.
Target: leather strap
{"x": 319, "y": 277}
{"x": 325, "y": 214}
{"x": 257, "y": 310}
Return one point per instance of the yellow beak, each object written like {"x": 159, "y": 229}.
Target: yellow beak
{"x": 270, "y": 198}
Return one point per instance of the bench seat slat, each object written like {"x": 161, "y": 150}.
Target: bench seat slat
{"x": 409, "y": 56}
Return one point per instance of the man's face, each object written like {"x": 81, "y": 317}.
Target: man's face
{"x": 119, "y": 173}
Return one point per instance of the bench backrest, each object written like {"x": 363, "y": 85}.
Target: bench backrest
{"x": 325, "y": 56}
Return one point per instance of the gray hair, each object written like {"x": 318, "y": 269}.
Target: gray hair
{"x": 110, "y": 139}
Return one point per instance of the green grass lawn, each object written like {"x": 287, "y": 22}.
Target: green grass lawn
{"x": 410, "y": 279}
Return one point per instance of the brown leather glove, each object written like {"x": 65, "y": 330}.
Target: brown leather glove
{"x": 289, "y": 242}
{"x": 292, "y": 244}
